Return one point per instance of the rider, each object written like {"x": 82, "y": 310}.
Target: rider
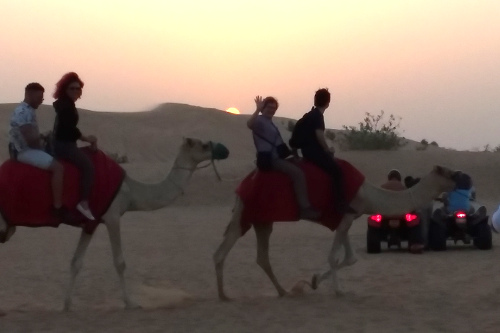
{"x": 394, "y": 181}
{"x": 459, "y": 198}
{"x": 268, "y": 141}
{"x": 495, "y": 221}
{"x": 66, "y": 133}
{"x": 310, "y": 134}
{"x": 25, "y": 142}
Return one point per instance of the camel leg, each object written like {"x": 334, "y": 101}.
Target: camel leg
{"x": 263, "y": 233}
{"x": 341, "y": 239}
{"x": 231, "y": 235}
{"x": 6, "y": 231}
{"x": 113, "y": 226}
{"x": 76, "y": 265}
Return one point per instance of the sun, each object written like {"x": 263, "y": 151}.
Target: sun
{"x": 233, "y": 111}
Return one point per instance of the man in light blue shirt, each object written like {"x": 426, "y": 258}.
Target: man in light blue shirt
{"x": 25, "y": 139}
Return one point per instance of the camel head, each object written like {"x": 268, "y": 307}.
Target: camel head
{"x": 198, "y": 151}
{"x": 445, "y": 178}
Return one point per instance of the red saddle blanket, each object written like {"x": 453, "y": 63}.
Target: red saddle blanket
{"x": 26, "y": 194}
{"x": 269, "y": 196}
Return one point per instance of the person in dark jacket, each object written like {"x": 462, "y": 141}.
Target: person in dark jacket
{"x": 66, "y": 134}
{"x": 315, "y": 149}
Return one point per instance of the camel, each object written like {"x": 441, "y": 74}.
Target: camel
{"x": 369, "y": 199}
{"x": 136, "y": 196}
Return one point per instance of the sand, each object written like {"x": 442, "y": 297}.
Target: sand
{"x": 169, "y": 252}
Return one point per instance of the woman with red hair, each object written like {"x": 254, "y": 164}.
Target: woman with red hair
{"x": 66, "y": 133}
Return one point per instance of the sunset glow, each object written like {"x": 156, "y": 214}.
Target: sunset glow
{"x": 416, "y": 59}
{"x": 233, "y": 111}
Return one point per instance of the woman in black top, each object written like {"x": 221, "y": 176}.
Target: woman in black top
{"x": 66, "y": 133}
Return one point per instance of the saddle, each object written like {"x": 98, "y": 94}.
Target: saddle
{"x": 269, "y": 196}
{"x": 26, "y": 194}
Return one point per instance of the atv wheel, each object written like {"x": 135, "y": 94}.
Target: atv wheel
{"x": 483, "y": 239}
{"x": 437, "y": 237}
{"x": 373, "y": 240}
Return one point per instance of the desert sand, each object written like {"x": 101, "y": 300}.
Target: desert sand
{"x": 168, "y": 252}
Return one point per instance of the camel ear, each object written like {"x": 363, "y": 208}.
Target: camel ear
{"x": 445, "y": 172}
{"x": 439, "y": 170}
{"x": 189, "y": 142}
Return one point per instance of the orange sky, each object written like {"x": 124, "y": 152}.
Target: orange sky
{"x": 434, "y": 63}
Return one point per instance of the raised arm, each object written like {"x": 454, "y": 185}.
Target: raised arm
{"x": 258, "y": 109}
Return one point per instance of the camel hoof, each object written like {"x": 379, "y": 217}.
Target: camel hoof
{"x": 314, "y": 282}
{"x": 132, "y": 306}
{"x": 283, "y": 293}
{"x": 67, "y": 306}
{"x": 340, "y": 293}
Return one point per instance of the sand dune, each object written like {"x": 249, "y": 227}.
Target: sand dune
{"x": 169, "y": 251}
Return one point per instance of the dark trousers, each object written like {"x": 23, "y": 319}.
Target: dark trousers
{"x": 69, "y": 151}
{"x": 327, "y": 163}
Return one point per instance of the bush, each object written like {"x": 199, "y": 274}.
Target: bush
{"x": 496, "y": 149}
{"x": 291, "y": 125}
{"x": 330, "y": 134}
{"x": 374, "y": 133}
{"x": 424, "y": 142}
{"x": 434, "y": 143}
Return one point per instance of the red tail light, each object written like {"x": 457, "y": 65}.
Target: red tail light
{"x": 410, "y": 217}
{"x": 461, "y": 215}
{"x": 376, "y": 218}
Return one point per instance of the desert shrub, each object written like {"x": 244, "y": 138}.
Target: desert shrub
{"x": 496, "y": 149}
{"x": 374, "y": 133}
{"x": 330, "y": 134}
{"x": 487, "y": 147}
{"x": 291, "y": 125}
{"x": 424, "y": 142}
{"x": 434, "y": 143}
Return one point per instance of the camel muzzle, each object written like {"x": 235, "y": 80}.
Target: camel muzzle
{"x": 219, "y": 151}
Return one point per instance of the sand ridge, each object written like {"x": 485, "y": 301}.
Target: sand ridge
{"x": 168, "y": 252}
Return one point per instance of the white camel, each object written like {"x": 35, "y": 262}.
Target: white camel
{"x": 135, "y": 196}
{"x": 369, "y": 199}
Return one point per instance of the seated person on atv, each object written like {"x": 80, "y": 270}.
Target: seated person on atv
{"x": 394, "y": 183}
{"x": 459, "y": 198}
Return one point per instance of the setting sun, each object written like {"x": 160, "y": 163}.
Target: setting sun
{"x": 233, "y": 111}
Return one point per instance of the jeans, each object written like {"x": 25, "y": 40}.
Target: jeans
{"x": 69, "y": 151}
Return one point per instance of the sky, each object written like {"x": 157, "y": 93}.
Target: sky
{"x": 434, "y": 63}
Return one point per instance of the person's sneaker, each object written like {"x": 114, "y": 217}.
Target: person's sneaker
{"x": 61, "y": 213}
{"x": 309, "y": 214}
{"x": 85, "y": 212}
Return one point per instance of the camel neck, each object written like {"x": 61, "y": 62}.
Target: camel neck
{"x": 146, "y": 197}
{"x": 386, "y": 202}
